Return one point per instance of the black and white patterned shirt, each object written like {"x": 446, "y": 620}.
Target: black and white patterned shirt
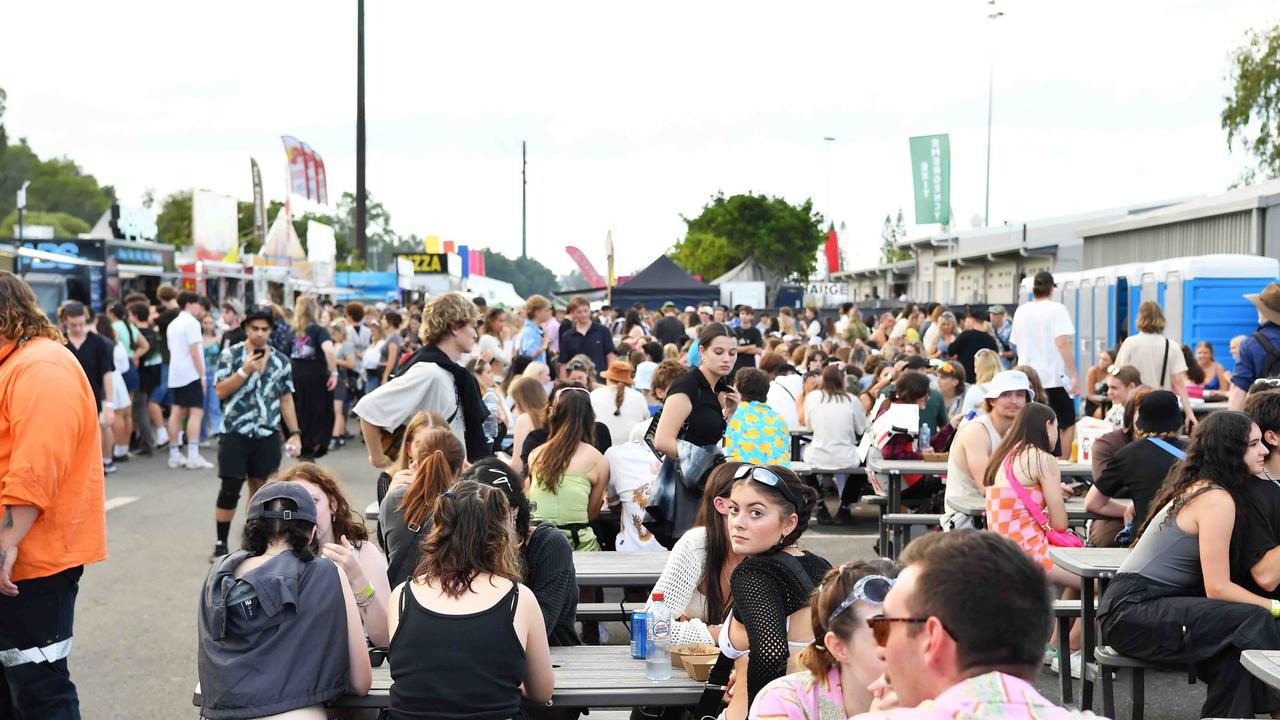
{"x": 254, "y": 409}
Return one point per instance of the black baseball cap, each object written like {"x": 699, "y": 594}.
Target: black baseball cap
{"x": 1159, "y": 412}
{"x": 277, "y": 490}
{"x": 916, "y": 362}
{"x": 260, "y": 312}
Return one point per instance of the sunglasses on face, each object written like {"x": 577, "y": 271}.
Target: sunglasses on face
{"x": 870, "y": 589}
{"x": 881, "y": 625}
{"x": 765, "y": 476}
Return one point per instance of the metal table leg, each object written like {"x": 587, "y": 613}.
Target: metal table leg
{"x": 1087, "y": 644}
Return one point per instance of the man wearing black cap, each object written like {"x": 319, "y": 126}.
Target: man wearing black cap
{"x": 1138, "y": 469}
{"x": 255, "y": 385}
{"x": 669, "y": 329}
{"x": 1044, "y": 335}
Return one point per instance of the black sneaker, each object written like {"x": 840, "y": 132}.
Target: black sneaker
{"x": 219, "y": 550}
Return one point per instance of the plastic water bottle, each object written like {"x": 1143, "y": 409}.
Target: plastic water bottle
{"x": 490, "y": 423}
{"x": 925, "y": 437}
{"x": 657, "y": 664}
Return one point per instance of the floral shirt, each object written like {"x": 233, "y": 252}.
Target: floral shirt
{"x": 994, "y": 695}
{"x": 758, "y": 434}
{"x": 800, "y": 696}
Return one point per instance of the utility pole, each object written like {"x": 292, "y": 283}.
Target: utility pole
{"x": 991, "y": 75}
{"x": 362, "y": 209}
{"x": 524, "y": 201}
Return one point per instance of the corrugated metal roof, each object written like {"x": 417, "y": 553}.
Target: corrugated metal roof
{"x": 1265, "y": 194}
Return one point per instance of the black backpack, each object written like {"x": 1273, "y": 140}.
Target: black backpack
{"x": 1270, "y": 366}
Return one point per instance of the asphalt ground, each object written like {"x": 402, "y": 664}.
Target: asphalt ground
{"x": 135, "y": 635}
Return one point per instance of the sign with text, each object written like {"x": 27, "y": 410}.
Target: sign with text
{"x": 428, "y": 263}
{"x": 931, "y": 171}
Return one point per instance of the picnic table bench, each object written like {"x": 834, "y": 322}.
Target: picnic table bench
{"x": 1264, "y": 665}
{"x": 1089, "y": 564}
{"x": 976, "y": 507}
{"x": 587, "y": 676}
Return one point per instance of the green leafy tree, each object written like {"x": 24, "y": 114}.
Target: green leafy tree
{"x": 527, "y": 275}
{"x": 1252, "y": 113}
{"x": 173, "y": 222}
{"x": 893, "y": 232}
{"x": 572, "y": 280}
{"x": 64, "y": 225}
{"x": 782, "y": 237}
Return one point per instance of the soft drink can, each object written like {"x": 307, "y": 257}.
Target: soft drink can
{"x": 639, "y": 634}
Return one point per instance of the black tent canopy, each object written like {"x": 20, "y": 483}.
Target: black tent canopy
{"x": 663, "y": 280}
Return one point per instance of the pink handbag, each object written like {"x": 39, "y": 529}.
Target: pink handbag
{"x": 1057, "y": 538}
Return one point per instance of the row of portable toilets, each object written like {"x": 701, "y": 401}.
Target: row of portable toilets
{"x": 1202, "y": 298}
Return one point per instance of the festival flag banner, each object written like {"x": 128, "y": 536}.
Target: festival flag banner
{"x": 322, "y": 184}
{"x": 450, "y": 246}
{"x": 259, "y": 207}
{"x": 931, "y": 171}
{"x": 464, "y": 260}
{"x": 296, "y": 154}
{"x": 309, "y": 162}
{"x": 832, "y": 252}
{"x": 213, "y": 225}
{"x": 431, "y": 244}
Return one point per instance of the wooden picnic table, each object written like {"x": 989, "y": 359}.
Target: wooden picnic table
{"x": 618, "y": 569}
{"x": 587, "y": 676}
{"x": 1263, "y": 664}
{"x": 1090, "y": 564}
{"x": 1204, "y": 408}
{"x": 799, "y": 436}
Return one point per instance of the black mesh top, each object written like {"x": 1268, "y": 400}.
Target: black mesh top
{"x": 765, "y": 593}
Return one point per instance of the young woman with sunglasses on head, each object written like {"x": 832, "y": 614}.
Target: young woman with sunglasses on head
{"x": 567, "y": 475}
{"x": 843, "y": 662}
{"x": 767, "y": 511}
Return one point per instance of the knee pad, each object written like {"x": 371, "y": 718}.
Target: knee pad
{"x": 229, "y": 495}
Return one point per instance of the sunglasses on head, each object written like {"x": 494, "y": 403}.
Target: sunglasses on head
{"x": 870, "y": 589}
{"x": 570, "y": 388}
{"x": 765, "y": 476}
{"x": 577, "y": 366}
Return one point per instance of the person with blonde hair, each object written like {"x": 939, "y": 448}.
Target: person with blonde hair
{"x": 986, "y": 363}
{"x": 531, "y": 408}
{"x": 534, "y": 338}
{"x": 432, "y": 380}
{"x": 1158, "y": 359}
{"x": 315, "y": 375}
{"x": 842, "y": 662}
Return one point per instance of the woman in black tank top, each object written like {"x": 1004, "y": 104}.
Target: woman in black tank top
{"x": 466, "y": 634}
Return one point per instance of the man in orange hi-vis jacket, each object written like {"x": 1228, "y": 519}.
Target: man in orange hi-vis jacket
{"x": 52, "y": 521}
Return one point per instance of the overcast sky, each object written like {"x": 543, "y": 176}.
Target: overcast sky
{"x": 637, "y": 113}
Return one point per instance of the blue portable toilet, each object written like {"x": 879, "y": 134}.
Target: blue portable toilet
{"x": 1203, "y": 297}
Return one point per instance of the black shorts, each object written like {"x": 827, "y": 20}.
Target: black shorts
{"x": 1063, "y": 406}
{"x": 190, "y": 395}
{"x": 241, "y": 456}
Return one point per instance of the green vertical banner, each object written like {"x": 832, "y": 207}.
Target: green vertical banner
{"x": 931, "y": 170}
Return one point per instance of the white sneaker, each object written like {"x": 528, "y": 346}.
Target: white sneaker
{"x": 162, "y": 437}
{"x": 1077, "y": 663}
{"x": 197, "y": 462}
{"x": 177, "y": 461}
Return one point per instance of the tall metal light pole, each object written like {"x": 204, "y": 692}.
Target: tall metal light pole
{"x": 524, "y": 201}
{"x": 991, "y": 75}
{"x": 22, "y": 207}
{"x": 362, "y": 209}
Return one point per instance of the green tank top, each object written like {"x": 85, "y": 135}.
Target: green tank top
{"x": 566, "y": 508}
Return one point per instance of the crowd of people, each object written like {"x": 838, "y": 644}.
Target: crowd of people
{"x": 501, "y": 440}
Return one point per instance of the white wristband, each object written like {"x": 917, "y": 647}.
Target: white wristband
{"x": 243, "y": 375}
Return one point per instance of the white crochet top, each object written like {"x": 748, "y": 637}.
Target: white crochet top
{"x": 679, "y": 586}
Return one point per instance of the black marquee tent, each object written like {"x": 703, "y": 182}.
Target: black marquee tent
{"x": 663, "y": 280}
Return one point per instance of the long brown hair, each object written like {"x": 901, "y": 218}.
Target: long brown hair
{"x": 719, "y": 485}
{"x": 1028, "y": 429}
{"x": 344, "y": 520}
{"x": 440, "y": 455}
{"x": 20, "y": 313}
{"x": 471, "y": 534}
{"x": 836, "y": 585}
{"x": 570, "y": 422}
{"x": 834, "y": 384}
